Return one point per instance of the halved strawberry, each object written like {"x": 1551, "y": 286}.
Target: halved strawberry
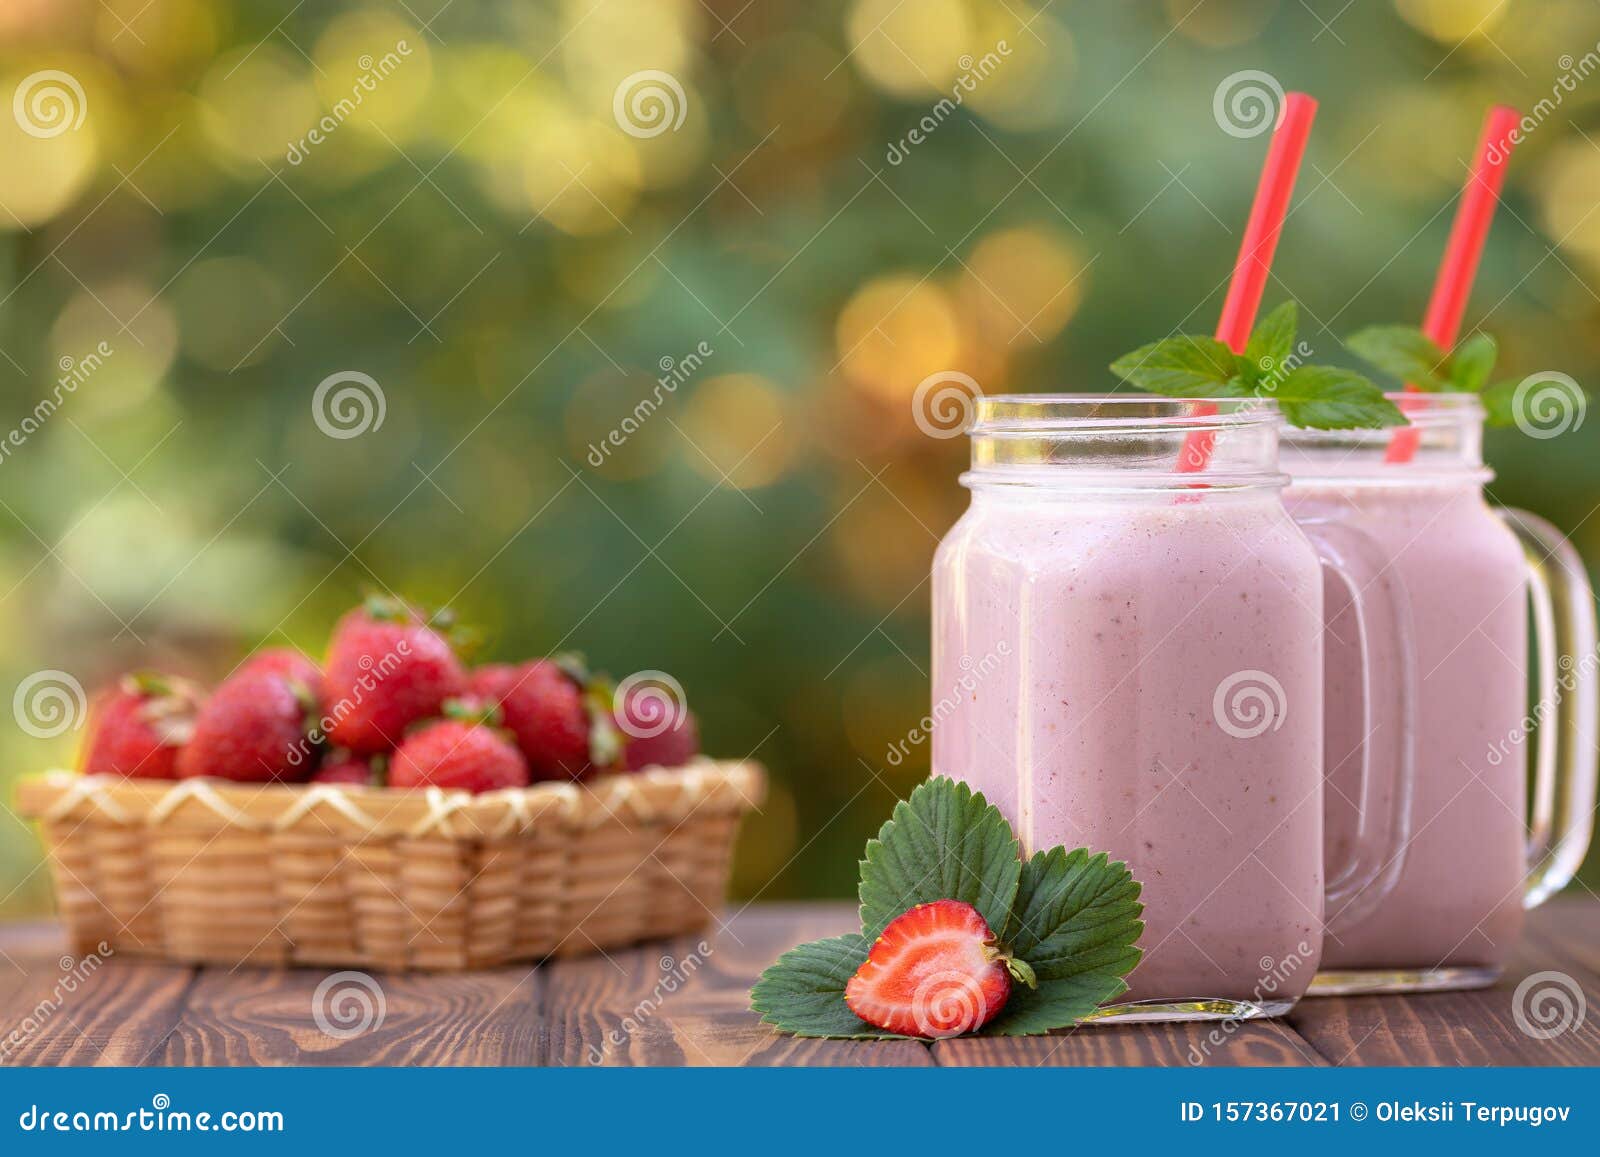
{"x": 935, "y": 971}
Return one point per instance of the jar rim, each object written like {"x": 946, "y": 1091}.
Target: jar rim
{"x": 1027, "y": 415}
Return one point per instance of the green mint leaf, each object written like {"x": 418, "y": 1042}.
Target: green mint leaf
{"x": 946, "y": 842}
{"x": 1497, "y": 403}
{"x": 1401, "y": 350}
{"x": 1329, "y": 398}
{"x": 1472, "y": 362}
{"x": 1076, "y": 924}
{"x": 1272, "y": 342}
{"x": 1186, "y": 366}
{"x": 803, "y": 992}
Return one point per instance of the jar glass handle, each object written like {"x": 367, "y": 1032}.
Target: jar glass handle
{"x": 1388, "y": 692}
{"x": 1564, "y": 719}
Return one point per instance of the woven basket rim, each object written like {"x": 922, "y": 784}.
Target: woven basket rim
{"x": 653, "y": 796}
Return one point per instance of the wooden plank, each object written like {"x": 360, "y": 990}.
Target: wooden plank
{"x": 1204, "y": 1044}
{"x": 687, "y": 1001}
{"x": 265, "y": 1016}
{"x": 64, "y": 1014}
{"x": 1470, "y": 1028}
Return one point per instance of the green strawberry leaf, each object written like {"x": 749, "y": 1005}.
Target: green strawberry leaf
{"x": 1184, "y": 366}
{"x": 946, "y": 842}
{"x": 1401, "y": 350}
{"x": 1497, "y": 403}
{"x": 1329, "y": 398}
{"x": 1076, "y": 924}
{"x": 1472, "y": 363}
{"x": 803, "y": 992}
{"x": 1272, "y": 342}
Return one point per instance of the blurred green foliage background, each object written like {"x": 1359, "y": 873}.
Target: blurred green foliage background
{"x": 517, "y": 260}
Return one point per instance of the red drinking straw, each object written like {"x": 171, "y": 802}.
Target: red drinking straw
{"x": 1254, "y": 262}
{"x": 1453, "y": 284}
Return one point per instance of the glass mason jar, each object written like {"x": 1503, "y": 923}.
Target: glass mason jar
{"x": 1130, "y": 659}
{"x": 1453, "y": 912}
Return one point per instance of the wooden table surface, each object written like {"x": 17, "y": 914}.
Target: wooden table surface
{"x": 635, "y": 1007}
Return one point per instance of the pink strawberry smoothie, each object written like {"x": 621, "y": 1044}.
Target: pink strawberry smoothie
{"x": 1458, "y": 899}
{"x": 1119, "y": 618}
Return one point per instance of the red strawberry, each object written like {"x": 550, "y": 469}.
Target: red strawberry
{"x": 458, "y": 754}
{"x": 935, "y": 971}
{"x": 293, "y": 665}
{"x": 555, "y": 710}
{"x": 658, "y": 729}
{"x": 137, "y": 728}
{"x": 387, "y": 668}
{"x": 252, "y": 730}
{"x": 342, "y": 767}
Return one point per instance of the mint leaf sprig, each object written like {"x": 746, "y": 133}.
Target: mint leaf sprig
{"x": 1070, "y": 920}
{"x": 1407, "y": 353}
{"x": 1272, "y": 367}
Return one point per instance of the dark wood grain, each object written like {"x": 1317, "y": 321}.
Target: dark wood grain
{"x": 616, "y": 1009}
{"x": 1470, "y": 1028}
{"x": 1263, "y": 1043}
{"x": 258, "y": 1016}
{"x": 685, "y": 1002}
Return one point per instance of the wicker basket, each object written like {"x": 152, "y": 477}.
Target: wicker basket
{"x": 207, "y": 871}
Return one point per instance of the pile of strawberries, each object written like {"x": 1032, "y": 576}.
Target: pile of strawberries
{"x": 392, "y": 706}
